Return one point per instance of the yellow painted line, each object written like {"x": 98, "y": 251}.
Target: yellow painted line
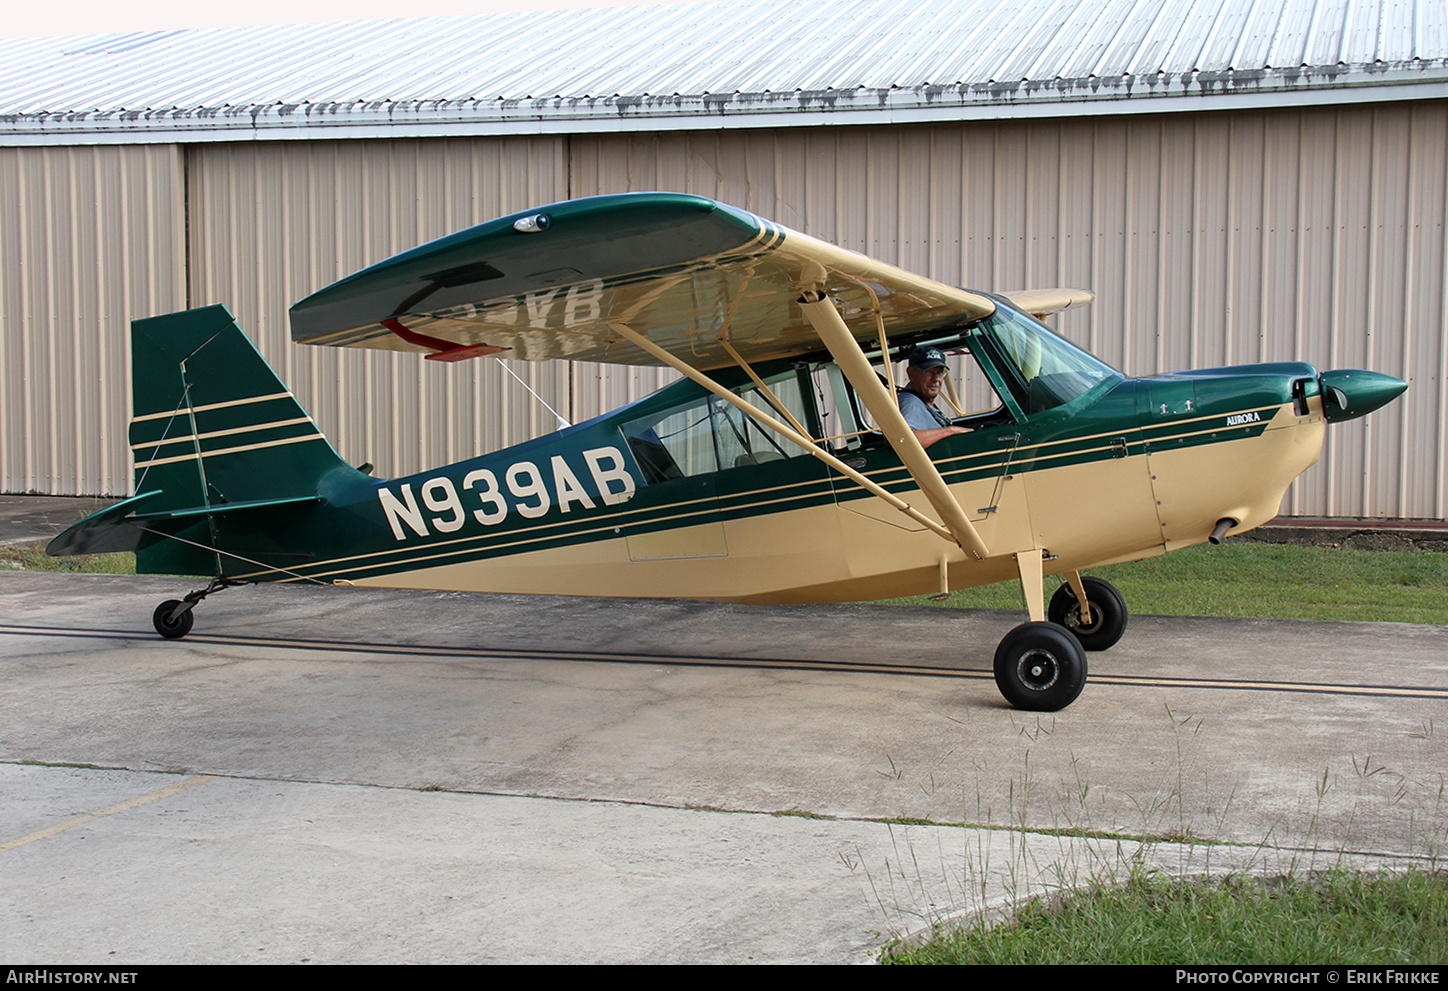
{"x": 1199, "y": 433}
{"x": 210, "y": 406}
{"x": 93, "y": 816}
{"x": 1133, "y": 435}
{"x": 230, "y": 450}
{"x": 618, "y": 518}
{"x": 407, "y": 553}
{"x": 189, "y": 437}
{"x": 523, "y": 537}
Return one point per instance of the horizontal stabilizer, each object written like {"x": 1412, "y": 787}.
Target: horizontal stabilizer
{"x": 223, "y": 452}
{"x": 103, "y": 532}
{"x": 229, "y": 507}
{"x": 121, "y": 528}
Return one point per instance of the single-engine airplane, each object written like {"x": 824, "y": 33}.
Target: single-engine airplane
{"x": 779, "y": 469}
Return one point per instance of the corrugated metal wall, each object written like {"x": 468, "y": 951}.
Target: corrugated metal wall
{"x": 1209, "y": 238}
{"x": 89, "y": 237}
{"x": 274, "y": 222}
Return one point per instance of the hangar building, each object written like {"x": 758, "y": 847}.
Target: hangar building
{"x": 1238, "y": 180}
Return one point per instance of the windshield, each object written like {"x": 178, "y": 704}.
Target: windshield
{"x": 1050, "y": 370}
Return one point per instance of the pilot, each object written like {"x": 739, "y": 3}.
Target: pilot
{"x": 926, "y": 372}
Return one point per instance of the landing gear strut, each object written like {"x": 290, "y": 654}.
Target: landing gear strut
{"x": 1104, "y": 624}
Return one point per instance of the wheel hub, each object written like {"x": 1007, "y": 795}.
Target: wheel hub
{"x": 1038, "y": 669}
{"x": 1073, "y": 619}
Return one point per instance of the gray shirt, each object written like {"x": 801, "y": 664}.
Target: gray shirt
{"x": 920, "y": 415}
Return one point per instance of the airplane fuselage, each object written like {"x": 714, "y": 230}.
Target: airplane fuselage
{"x": 1135, "y": 468}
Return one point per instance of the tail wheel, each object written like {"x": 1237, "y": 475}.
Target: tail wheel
{"x": 172, "y": 629}
{"x": 1040, "y": 667}
{"x": 1108, "y": 613}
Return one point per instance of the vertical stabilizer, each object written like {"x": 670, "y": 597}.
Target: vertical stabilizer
{"x": 211, "y": 422}
{"x": 212, "y": 426}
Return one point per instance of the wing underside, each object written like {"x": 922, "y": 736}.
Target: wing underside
{"x": 683, "y": 271}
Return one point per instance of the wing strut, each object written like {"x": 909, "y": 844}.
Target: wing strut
{"x": 828, "y": 323}
{"x": 789, "y": 433}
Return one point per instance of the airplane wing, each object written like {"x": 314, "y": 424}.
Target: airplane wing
{"x": 683, "y": 271}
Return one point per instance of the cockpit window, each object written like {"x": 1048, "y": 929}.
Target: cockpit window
{"x": 709, "y": 434}
{"x": 1050, "y": 370}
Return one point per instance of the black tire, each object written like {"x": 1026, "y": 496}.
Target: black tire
{"x": 1108, "y": 613}
{"x": 168, "y": 628}
{"x": 1040, "y": 667}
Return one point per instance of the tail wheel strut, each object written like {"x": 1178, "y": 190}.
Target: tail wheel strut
{"x": 173, "y": 618}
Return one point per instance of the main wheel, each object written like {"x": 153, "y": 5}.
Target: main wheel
{"x": 1108, "y": 613}
{"x": 167, "y": 627}
{"x": 1040, "y": 667}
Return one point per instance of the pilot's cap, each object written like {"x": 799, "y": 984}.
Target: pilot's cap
{"x": 925, "y": 358}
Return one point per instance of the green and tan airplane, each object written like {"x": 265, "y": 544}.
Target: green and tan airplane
{"x": 779, "y": 469}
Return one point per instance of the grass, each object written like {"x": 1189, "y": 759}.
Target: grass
{"x": 1337, "y": 918}
{"x": 1263, "y": 581}
{"x": 799, "y": 813}
{"x": 32, "y": 557}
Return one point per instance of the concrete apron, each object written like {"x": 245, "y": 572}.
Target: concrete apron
{"x": 405, "y": 776}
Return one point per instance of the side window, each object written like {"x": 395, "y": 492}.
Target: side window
{"x": 966, "y": 397}
{"x": 678, "y": 443}
{"x": 843, "y": 420}
{"x": 710, "y": 435}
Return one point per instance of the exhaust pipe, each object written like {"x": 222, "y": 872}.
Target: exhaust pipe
{"x": 1220, "y": 531}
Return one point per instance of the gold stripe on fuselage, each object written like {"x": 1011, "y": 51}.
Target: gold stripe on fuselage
{"x": 816, "y": 554}
{"x": 539, "y": 531}
{"x": 620, "y": 517}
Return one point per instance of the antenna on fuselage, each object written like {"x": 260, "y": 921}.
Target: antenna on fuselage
{"x": 562, "y": 423}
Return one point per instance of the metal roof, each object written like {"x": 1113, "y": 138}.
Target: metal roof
{"x": 743, "y": 64}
